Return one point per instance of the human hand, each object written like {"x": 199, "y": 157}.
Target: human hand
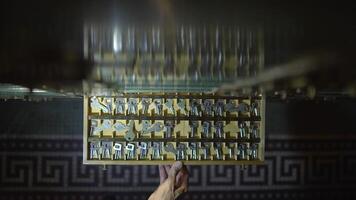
{"x": 173, "y": 182}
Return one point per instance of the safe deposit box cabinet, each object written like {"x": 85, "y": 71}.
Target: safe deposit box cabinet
{"x": 157, "y": 101}
{"x": 159, "y": 128}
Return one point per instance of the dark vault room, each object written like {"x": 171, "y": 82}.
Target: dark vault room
{"x": 168, "y": 99}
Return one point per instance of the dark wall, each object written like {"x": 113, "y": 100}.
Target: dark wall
{"x": 40, "y": 36}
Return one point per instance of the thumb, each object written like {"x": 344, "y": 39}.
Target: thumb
{"x": 175, "y": 168}
{"x": 179, "y": 191}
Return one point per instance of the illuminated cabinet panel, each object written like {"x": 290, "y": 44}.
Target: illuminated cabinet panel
{"x": 159, "y": 128}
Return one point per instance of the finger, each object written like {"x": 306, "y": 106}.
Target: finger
{"x": 185, "y": 170}
{"x": 183, "y": 177}
{"x": 184, "y": 182}
{"x": 178, "y": 192}
{"x": 182, "y": 174}
{"x": 167, "y": 168}
{"x": 176, "y": 167}
{"x": 178, "y": 178}
{"x": 162, "y": 173}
